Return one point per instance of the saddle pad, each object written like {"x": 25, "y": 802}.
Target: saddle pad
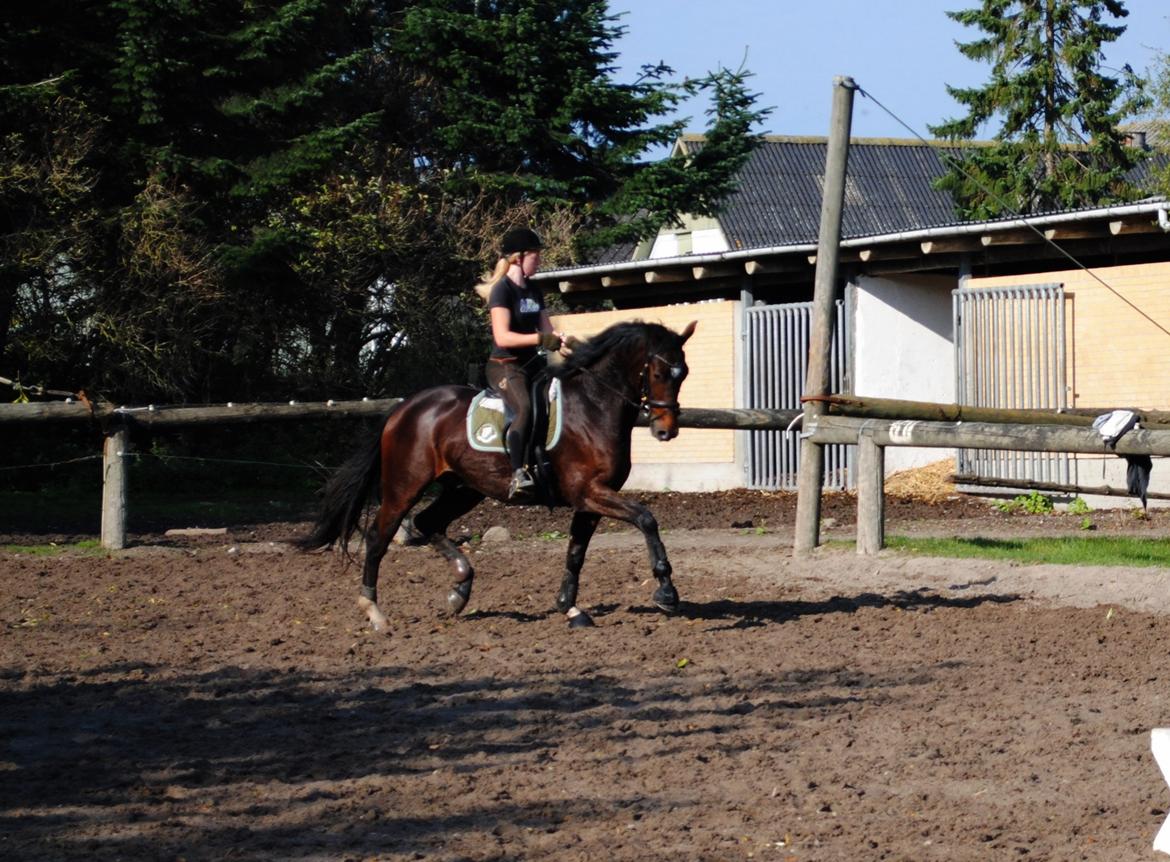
{"x": 485, "y": 420}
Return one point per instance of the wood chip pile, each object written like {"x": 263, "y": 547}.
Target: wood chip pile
{"x": 930, "y": 483}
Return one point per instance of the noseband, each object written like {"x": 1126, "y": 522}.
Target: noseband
{"x": 646, "y": 404}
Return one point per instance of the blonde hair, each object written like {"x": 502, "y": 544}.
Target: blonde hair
{"x": 484, "y": 288}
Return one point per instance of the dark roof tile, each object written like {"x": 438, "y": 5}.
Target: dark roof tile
{"x": 889, "y": 188}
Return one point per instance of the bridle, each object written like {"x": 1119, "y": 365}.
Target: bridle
{"x": 646, "y": 403}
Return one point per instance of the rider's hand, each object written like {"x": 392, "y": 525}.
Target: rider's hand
{"x": 550, "y": 341}
{"x": 569, "y": 343}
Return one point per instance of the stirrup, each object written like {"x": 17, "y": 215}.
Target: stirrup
{"x": 521, "y": 484}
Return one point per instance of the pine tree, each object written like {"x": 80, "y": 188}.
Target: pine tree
{"x": 214, "y": 117}
{"x": 269, "y": 198}
{"x": 1160, "y": 94}
{"x": 1059, "y": 146}
{"x": 519, "y": 102}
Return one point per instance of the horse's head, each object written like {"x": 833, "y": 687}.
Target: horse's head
{"x": 663, "y": 376}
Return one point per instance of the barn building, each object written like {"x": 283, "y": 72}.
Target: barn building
{"x": 1063, "y": 309}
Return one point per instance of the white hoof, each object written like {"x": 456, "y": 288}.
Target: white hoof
{"x": 377, "y": 618}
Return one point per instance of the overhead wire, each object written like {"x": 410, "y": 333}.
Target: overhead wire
{"x": 1020, "y": 220}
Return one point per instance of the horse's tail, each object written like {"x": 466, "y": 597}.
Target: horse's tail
{"x": 344, "y": 498}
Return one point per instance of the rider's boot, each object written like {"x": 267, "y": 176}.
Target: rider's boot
{"x": 521, "y": 487}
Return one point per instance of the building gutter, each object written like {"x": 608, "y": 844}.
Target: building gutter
{"x": 678, "y": 260}
{"x": 1153, "y": 207}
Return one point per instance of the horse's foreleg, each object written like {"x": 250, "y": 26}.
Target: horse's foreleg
{"x": 611, "y": 504}
{"x": 431, "y": 525}
{"x": 580, "y": 532}
{"x": 666, "y": 596}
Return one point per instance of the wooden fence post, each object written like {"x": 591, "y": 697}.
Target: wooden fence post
{"x": 871, "y": 497}
{"x": 114, "y": 450}
{"x": 811, "y": 477}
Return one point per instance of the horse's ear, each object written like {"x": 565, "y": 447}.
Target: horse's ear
{"x": 688, "y": 332}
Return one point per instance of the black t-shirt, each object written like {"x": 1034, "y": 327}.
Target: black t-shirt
{"x": 525, "y": 304}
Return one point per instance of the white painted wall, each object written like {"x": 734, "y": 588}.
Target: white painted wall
{"x": 697, "y": 240}
{"x": 708, "y": 241}
{"x": 903, "y": 347}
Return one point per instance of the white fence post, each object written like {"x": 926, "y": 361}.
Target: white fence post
{"x": 114, "y": 452}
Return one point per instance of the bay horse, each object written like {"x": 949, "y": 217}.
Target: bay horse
{"x": 628, "y": 369}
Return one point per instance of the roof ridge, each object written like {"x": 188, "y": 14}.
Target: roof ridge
{"x": 699, "y": 137}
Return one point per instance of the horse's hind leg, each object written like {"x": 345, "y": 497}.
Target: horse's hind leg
{"x": 377, "y": 541}
{"x": 431, "y": 525}
{"x": 580, "y": 532}
{"x": 395, "y": 504}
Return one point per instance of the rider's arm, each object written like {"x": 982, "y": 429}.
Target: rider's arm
{"x": 502, "y": 332}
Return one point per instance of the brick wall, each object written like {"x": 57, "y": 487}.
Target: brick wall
{"x": 711, "y": 358}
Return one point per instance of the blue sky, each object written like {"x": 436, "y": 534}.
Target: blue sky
{"x": 901, "y": 51}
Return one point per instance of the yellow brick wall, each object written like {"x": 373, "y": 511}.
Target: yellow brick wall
{"x": 711, "y": 382}
{"x": 1118, "y": 337}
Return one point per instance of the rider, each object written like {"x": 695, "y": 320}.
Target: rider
{"x": 521, "y": 335}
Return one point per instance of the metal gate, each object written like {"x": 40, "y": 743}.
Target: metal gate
{"x": 1010, "y": 352}
{"x": 776, "y": 357}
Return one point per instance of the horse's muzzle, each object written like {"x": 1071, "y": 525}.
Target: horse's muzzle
{"x": 664, "y": 426}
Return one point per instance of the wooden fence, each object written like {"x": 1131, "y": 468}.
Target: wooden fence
{"x": 1031, "y": 433}
{"x": 116, "y": 423}
{"x": 873, "y": 435}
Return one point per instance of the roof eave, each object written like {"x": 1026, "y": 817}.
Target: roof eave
{"x": 1152, "y": 206}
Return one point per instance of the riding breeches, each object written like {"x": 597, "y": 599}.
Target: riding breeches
{"x": 509, "y": 379}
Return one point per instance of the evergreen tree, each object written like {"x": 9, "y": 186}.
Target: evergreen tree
{"x": 256, "y": 199}
{"x": 1160, "y": 87}
{"x": 48, "y": 137}
{"x": 214, "y": 116}
{"x": 519, "y": 104}
{"x": 1059, "y": 146}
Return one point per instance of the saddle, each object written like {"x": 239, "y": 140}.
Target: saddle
{"x": 488, "y": 418}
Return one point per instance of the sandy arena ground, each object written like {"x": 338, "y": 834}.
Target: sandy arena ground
{"x": 183, "y": 700}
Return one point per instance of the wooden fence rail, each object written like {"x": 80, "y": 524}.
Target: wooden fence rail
{"x": 108, "y": 415}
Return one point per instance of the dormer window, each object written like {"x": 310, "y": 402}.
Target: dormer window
{"x": 701, "y": 235}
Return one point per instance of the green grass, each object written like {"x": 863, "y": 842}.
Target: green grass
{"x": 87, "y": 546}
{"x": 1069, "y": 550}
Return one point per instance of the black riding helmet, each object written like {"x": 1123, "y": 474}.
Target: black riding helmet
{"x": 520, "y": 239}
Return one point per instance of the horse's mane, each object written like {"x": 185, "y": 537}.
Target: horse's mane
{"x": 614, "y": 341}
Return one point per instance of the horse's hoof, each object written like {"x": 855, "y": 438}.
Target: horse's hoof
{"x": 378, "y": 620}
{"x": 457, "y": 598}
{"x": 666, "y": 599}
{"x": 580, "y": 620}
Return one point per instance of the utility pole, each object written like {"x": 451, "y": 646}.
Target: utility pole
{"x": 812, "y": 455}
